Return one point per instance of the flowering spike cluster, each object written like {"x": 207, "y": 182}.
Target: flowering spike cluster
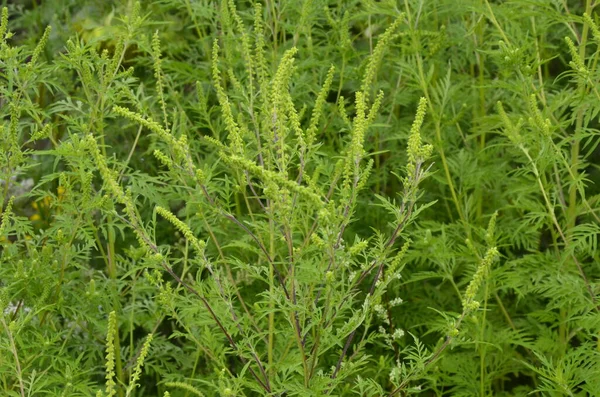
{"x": 491, "y": 229}
{"x": 110, "y": 179}
{"x": 165, "y": 296}
{"x": 318, "y": 109}
{"x": 378, "y": 52}
{"x": 417, "y": 152}
{"x": 294, "y": 120}
{"x": 375, "y": 107}
{"x": 163, "y": 158}
{"x": 356, "y": 149}
{"x": 156, "y": 54}
{"x": 393, "y": 268}
{"x": 283, "y": 73}
{"x": 137, "y": 372}
{"x": 86, "y": 188}
{"x": 593, "y": 27}
{"x": 3, "y": 24}
{"x": 471, "y": 247}
{"x": 42, "y": 133}
{"x": 341, "y": 26}
{"x": 6, "y": 216}
{"x": 148, "y": 123}
{"x": 134, "y": 17}
{"x": 358, "y": 247}
{"x": 469, "y": 302}
{"x": 115, "y": 62}
{"x": 176, "y": 145}
{"x": 271, "y": 176}
{"x": 342, "y": 110}
{"x": 198, "y": 245}
{"x": 364, "y": 175}
{"x": 577, "y": 63}
{"x": 235, "y": 82}
{"x": 245, "y": 41}
{"x": 16, "y": 155}
{"x": 233, "y": 129}
{"x": 280, "y": 100}
{"x": 259, "y": 48}
{"x": 179, "y": 147}
{"x": 86, "y": 74}
{"x": 40, "y": 47}
{"x": 110, "y": 354}
{"x": 537, "y": 120}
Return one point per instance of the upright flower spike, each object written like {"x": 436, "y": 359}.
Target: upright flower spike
{"x": 593, "y": 27}
{"x": 344, "y": 30}
{"x": 40, "y": 47}
{"x": 158, "y": 74}
{"x": 294, "y": 120}
{"x": 235, "y": 136}
{"x": 537, "y": 120}
{"x": 260, "y": 61}
{"x": 14, "y": 147}
{"x": 341, "y": 27}
{"x": 342, "y": 110}
{"x": 110, "y": 355}
{"x": 577, "y": 63}
{"x": 110, "y": 179}
{"x": 163, "y": 158}
{"x": 417, "y": 152}
{"x": 280, "y": 107}
{"x": 318, "y": 109}
{"x": 137, "y": 372}
{"x": 112, "y": 68}
{"x": 374, "y": 111}
{"x": 135, "y": 20}
{"x": 3, "y": 24}
{"x": 469, "y": 302}
{"x": 364, "y": 175}
{"x": 356, "y": 149}
{"x": 378, "y": 53}
{"x": 245, "y": 41}
{"x": 282, "y": 76}
{"x": 6, "y": 215}
{"x": 491, "y": 229}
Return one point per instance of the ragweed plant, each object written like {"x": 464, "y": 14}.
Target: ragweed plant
{"x": 306, "y": 294}
{"x": 299, "y": 198}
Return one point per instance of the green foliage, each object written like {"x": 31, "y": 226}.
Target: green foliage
{"x": 299, "y": 198}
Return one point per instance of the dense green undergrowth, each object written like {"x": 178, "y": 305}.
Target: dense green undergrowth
{"x": 300, "y": 198}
